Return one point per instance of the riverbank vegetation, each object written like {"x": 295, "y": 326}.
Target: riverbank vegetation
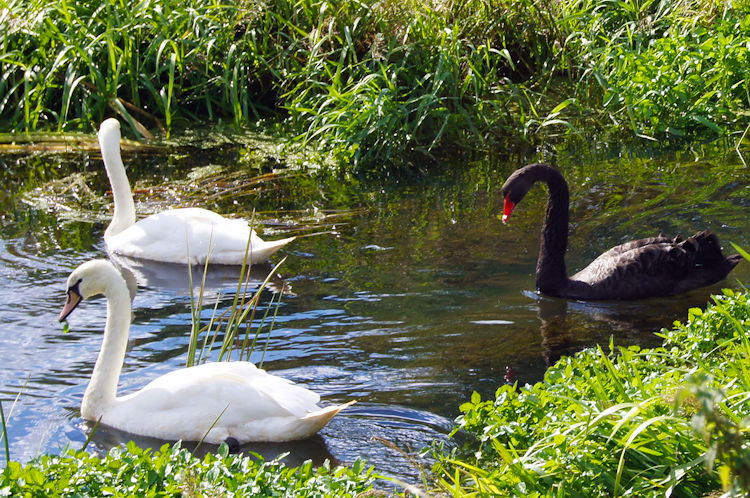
{"x": 381, "y": 83}
{"x": 174, "y": 471}
{"x": 673, "y": 420}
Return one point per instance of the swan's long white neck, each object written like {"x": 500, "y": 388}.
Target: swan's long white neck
{"x": 109, "y": 142}
{"x": 102, "y": 388}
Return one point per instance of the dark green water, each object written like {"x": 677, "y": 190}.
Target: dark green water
{"x": 416, "y": 297}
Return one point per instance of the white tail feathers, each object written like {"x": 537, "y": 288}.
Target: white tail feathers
{"x": 263, "y": 250}
{"x": 320, "y": 418}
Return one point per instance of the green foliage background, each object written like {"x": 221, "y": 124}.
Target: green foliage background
{"x": 381, "y": 82}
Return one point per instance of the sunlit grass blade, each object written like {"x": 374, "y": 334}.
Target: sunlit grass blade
{"x": 742, "y": 252}
{"x": 5, "y": 433}
{"x": 91, "y": 434}
{"x": 213, "y": 424}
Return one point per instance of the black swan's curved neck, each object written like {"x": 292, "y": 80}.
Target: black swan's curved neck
{"x": 551, "y": 273}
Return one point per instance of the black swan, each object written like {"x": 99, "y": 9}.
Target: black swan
{"x": 656, "y": 266}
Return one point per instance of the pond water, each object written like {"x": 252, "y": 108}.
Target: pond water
{"x": 414, "y": 297}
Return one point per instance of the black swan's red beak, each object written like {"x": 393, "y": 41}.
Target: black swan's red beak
{"x": 507, "y": 209}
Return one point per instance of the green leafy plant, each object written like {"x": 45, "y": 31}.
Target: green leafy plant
{"x": 173, "y": 471}
{"x": 723, "y": 428}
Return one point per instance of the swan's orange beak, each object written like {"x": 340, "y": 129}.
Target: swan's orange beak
{"x": 70, "y": 304}
{"x": 507, "y": 209}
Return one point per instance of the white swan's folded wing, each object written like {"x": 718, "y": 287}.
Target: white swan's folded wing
{"x": 192, "y": 235}
{"x": 248, "y": 391}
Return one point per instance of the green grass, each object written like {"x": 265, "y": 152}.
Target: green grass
{"x": 239, "y": 316}
{"x": 4, "y": 433}
{"x": 628, "y": 422}
{"x": 377, "y": 84}
{"x": 672, "y": 72}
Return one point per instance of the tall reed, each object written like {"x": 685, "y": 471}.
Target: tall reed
{"x": 4, "y": 433}
{"x": 229, "y": 324}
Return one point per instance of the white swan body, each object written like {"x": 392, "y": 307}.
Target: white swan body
{"x": 186, "y": 235}
{"x": 209, "y": 402}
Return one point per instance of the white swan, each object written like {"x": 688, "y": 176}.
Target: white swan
{"x": 217, "y": 400}
{"x": 186, "y": 235}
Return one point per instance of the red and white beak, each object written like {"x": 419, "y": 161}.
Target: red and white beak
{"x": 507, "y": 209}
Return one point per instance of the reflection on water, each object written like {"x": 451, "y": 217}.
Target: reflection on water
{"x": 412, "y": 304}
{"x": 215, "y": 279}
{"x": 568, "y": 326}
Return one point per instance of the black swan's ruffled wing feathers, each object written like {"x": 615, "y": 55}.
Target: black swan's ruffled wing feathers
{"x": 656, "y": 266}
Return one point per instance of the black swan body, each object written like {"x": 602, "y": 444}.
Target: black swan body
{"x": 656, "y": 266}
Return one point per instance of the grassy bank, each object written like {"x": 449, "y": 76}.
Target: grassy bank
{"x": 673, "y": 420}
{"x": 377, "y": 83}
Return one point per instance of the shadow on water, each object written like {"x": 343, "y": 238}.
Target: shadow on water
{"x": 417, "y": 297}
{"x": 314, "y": 448}
{"x": 568, "y": 326}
